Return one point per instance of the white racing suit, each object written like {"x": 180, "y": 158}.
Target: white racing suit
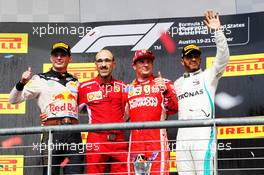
{"x": 196, "y": 93}
{"x": 56, "y": 96}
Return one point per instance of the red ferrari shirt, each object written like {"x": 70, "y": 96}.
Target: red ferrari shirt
{"x": 146, "y": 102}
{"x": 105, "y": 102}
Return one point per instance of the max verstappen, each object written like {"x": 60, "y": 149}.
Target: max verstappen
{"x": 56, "y": 95}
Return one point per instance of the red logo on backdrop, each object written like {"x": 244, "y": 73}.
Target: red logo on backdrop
{"x": 10, "y": 43}
{"x": 8, "y": 165}
{"x": 13, "y": 43}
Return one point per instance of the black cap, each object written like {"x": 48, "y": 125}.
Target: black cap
{"x": 190, "y": 49}
{"x": 61, "y": 46}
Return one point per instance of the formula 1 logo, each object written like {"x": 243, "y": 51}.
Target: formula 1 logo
{"x": 138, "y": 35}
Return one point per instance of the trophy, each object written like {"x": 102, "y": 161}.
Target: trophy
{"x": 142, "y": 164}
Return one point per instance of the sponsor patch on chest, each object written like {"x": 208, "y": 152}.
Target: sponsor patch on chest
{"x": 143, "y": 101}
{"x": 97, "y": 95}
{"x": 190, "y": 94}
{"x": 146, "y": 89}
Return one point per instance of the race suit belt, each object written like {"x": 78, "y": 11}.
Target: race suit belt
{"x": 61, "y": 121}
{"x": 110, "y": 136}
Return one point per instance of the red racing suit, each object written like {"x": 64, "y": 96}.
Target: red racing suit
{"x": 147, "y": 102}
{"x": 105, "y": 104}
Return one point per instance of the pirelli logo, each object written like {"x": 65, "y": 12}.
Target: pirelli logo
{"x": 11, "y": 165}
{"x": 13, "y": 43}
{"x": 7, "y": 108}
{"x": 84, "y": 137}
{"x": 240, "y": 65}
{"x": 235, "y": 132}
{"x": 83, "y": 71}
{"x": 173, "y": 167}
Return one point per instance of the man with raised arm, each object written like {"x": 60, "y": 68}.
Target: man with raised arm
{"x": 196, "y": 92}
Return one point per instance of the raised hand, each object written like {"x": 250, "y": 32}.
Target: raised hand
{"x": 25, "y": 77}
{"x": 212, "y": 20}
{"x": 159, "y": 81}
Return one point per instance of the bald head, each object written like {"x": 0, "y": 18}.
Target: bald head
{"x": 104, "y": 54}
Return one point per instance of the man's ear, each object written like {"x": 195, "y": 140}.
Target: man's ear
{"x": 134, "y": 66}
{"x": 70, "y": 60}
{"x": 114, "y": 64}
{"x": 182, "y": 62}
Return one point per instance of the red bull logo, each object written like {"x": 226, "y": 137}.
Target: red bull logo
{"x": 67, "y": 96}
{"x": 64, "y": 107}
{"x": 71, "y": 97}
{"x": 64, "y": 101}
{"x": 59, "y": 97}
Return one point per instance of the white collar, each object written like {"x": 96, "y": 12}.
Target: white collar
{"x": 189, "y": 74}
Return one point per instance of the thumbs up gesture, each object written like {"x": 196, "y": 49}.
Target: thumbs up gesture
{"x": 26, "y": 76}
{"x": 159, "y": 81}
